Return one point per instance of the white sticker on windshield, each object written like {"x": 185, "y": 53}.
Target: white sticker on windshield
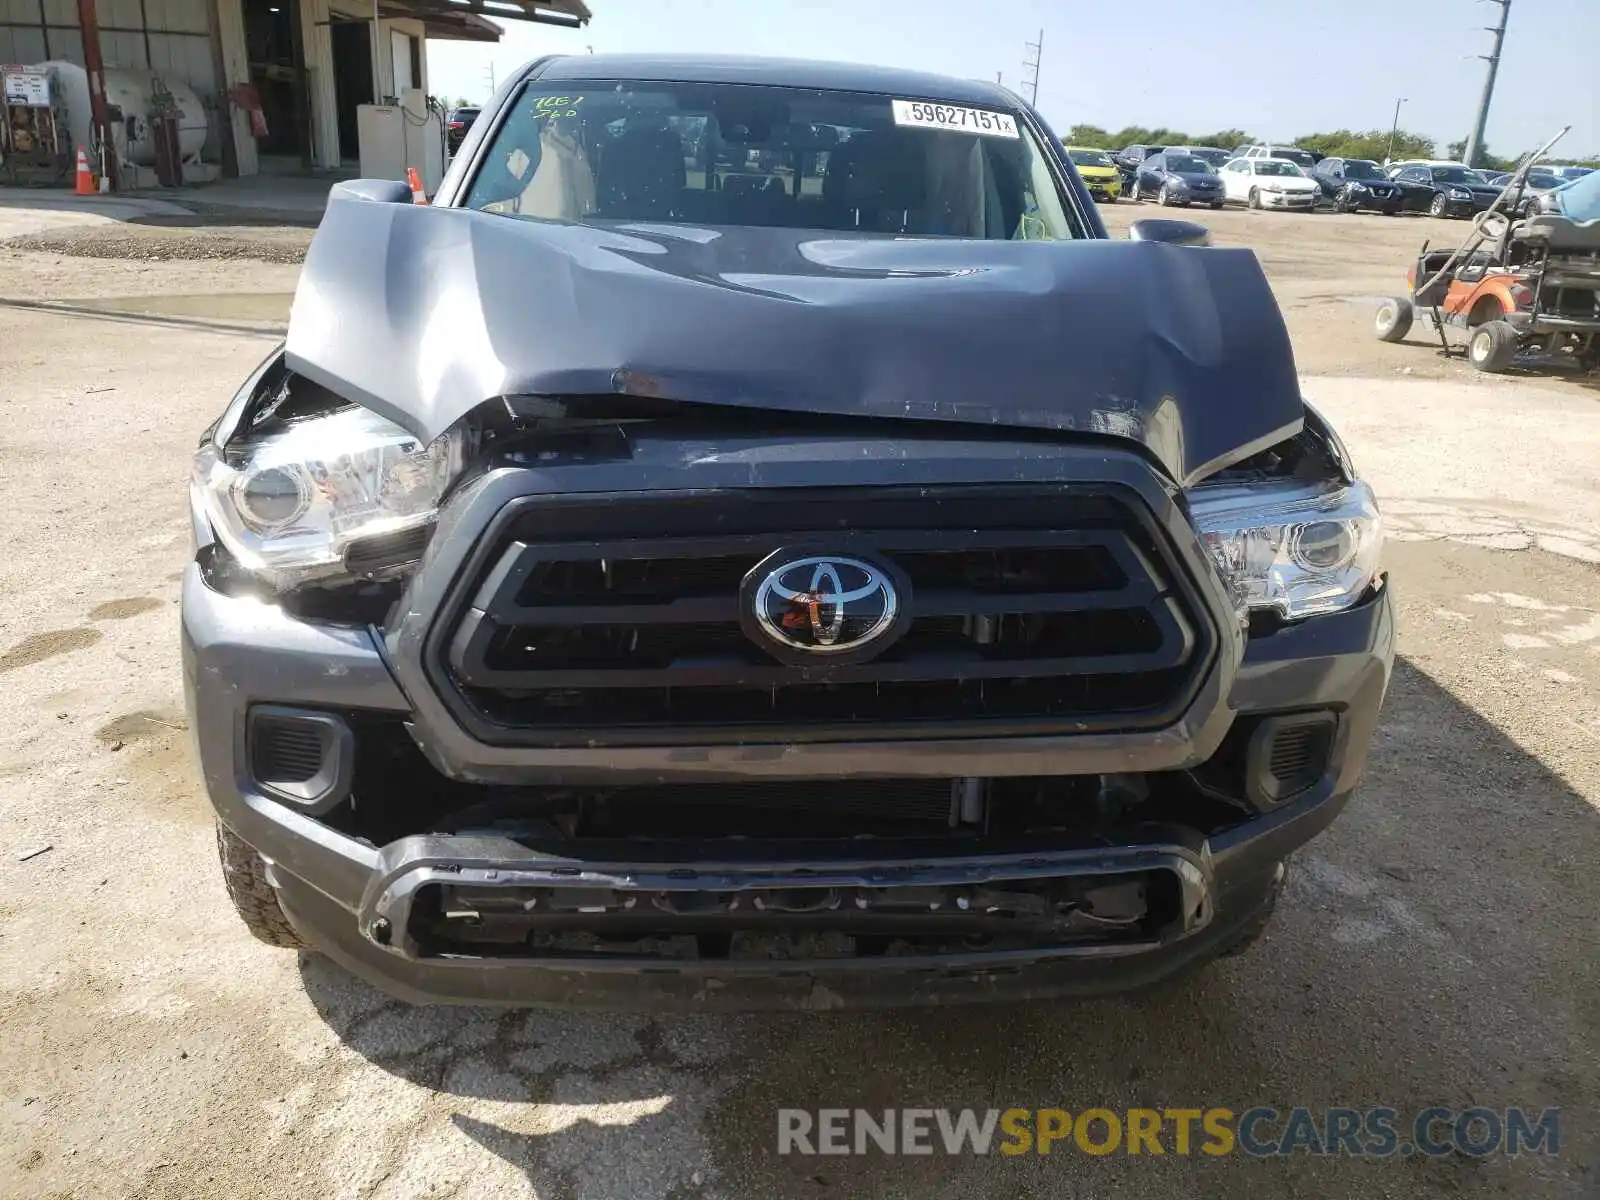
{"x": 951, "y": 116}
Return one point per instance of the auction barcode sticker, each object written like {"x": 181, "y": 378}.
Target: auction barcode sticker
{"x": 951, "y": 116}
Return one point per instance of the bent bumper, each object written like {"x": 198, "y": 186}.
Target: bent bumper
{"x": 349, "y": 898}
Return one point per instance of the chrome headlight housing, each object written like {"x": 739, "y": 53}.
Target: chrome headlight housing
{"x": 1460, "y": 194}
{"x": 290, "y": 503}
{"x": 1295, "y": 550}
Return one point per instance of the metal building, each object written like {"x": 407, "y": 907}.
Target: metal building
{"x": 277, "y": 77}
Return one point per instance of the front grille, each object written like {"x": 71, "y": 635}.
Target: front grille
{"x": 617, "y": 620}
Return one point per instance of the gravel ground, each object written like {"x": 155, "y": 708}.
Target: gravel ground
{"x": 1437, "y": 946}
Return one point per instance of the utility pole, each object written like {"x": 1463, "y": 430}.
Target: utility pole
{"x": 1033, "y": 64}
{"x": 1475, "y": 142}
{"x": 1388, "y": 155}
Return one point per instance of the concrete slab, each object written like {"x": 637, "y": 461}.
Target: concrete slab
{"x": 33, "y": 210}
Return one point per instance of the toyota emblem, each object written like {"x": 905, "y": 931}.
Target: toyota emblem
{"x": 824, "y": 605}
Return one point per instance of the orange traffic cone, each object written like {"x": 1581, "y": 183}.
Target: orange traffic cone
{"x": 418, "y": 196}
{"x": 84, "y": 184}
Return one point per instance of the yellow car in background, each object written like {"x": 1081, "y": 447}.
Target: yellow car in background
{"x": 1099, "y": 173}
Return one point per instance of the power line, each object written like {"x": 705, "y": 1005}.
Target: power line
{"x": 1475, "y": 142}
{"x": 1033, "y": 65}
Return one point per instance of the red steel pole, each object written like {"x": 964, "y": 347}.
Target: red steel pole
{"x": 94, "y": 65}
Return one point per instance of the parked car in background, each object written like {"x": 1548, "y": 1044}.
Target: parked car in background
{"x": 1213, "y": 156}
{"x": 1268, "y": 183}
{"x": 1392, "y": 169}
{"x": 1304, "y": 159}
{"x": 1352, "y": 184}
{"x": 1448, "y": 191}
{"x": 1174, "y": 178}
{"x": 1568, "y": 174}
{"x": 1540, "y": 181}
{"x": 456, "y": 126}
{"x": 1129, "y": 158}
{"x": 1098, "y": 172}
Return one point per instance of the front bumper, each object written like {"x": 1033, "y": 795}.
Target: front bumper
{"x": 1288, "y": 199}
{"x": 350, "y": 898}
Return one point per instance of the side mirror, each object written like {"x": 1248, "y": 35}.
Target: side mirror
{"x": 383, "y": 191}
{"x": 1175, "y": 233}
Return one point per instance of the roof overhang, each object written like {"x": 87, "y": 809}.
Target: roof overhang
{"x": 468, "y": 20}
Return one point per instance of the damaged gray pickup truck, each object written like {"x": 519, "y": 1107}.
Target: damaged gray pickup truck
{"x": 754, "y": 541}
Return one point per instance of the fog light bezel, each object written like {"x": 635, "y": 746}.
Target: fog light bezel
{"x": 330, "y": 784}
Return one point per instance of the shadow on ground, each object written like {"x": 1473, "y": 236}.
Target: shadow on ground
{"x": 1437, "y": 946}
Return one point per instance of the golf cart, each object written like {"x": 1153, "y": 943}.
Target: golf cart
{"x": 1514, "y": 288}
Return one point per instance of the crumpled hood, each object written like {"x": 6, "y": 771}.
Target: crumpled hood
{"x": 423, "y": 313}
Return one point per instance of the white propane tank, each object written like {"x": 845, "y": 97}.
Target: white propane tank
{"x": 132, "y": 90}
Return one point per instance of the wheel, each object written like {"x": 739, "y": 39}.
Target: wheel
{"x": 1439, "y": 207}
{"x": 245, "y": 876}
{"x": 1255, "y": 197}
{"x": 1133, "y": 190}
{"x": 1393, "y": 321}
{"x": 1164, "y": 196}
{"x": 1216, "y": 204}
{"x": 1493, "y": 346}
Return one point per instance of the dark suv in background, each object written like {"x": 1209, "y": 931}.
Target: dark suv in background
{"x": 1352, "y": 184}
{"x": 457, "y": 125}
{"x": 830, "y": 573}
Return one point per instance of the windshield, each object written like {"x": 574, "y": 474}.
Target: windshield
{"x": 1580, "y": 199}
{"x": 1270, "y": 167}
{"x": 1361, "y": 168}
{"x": 1576, "y": 172}
{"x": 738, "y": 154}
{"x": 1215, "y": 157}
{"x": 1456, "y": 175}
{"x": 1303, "y": 157}
{"x": 1543, "y": 179}
{"x": 1090, "y": 158}
{"x": 1183, "y": 163}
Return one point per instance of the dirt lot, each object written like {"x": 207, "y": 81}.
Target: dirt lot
{"x": 1437, "y": 947}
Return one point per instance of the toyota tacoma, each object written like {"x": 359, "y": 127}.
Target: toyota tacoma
{"x": 754, "y": 541}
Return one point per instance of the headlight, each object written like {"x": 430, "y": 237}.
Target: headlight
{"x": 287, "y": 505}
{"x": 1295, "y": 551}
{"x": 1460, "y": 194}
{"x": 1358, "y": 187}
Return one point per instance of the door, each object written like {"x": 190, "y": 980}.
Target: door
{"x": 1236, "y": 179}
{"x": 1152, "y": 171}
{"x": 1416, "y": 184}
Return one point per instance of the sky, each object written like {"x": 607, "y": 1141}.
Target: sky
{"x": 1276, "y": 68}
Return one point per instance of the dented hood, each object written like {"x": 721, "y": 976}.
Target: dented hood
{"x": 423, "y": 313}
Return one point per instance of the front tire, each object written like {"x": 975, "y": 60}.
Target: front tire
{"x": 1133, "y": 192}
{"x": 1439, "y": 207}
{"x": 1255, "y": 198}
{"x": 1164, "y": 196}
{"x": 1393, "y": 321}
{"x": 1493, "y": 347}
{"x": 254, "y": 899}
{"x": 1215, "y": 204}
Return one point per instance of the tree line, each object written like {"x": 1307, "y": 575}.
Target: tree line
{"x": 1341, "y": 143}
